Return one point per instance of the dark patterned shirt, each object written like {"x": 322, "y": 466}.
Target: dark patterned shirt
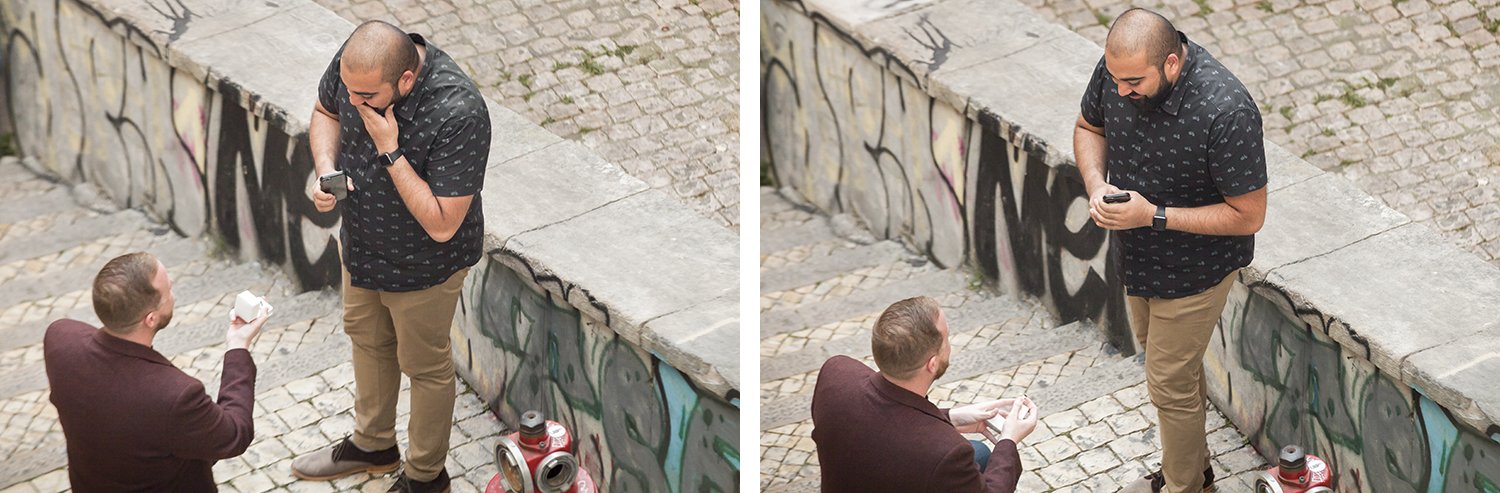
{"x": 445, "y": 136}
{"x": 1203, "y": 143}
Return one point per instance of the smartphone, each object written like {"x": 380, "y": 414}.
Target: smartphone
{"x": 1115, "y": 198}
{"x": 335, "y": 183}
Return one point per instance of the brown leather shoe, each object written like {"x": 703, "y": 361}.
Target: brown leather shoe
{"x": 343, "y": 459}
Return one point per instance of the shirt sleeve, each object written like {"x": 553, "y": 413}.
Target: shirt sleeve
{"x": 1237, "y": 152}
{"x": 1089, "y": 107}
{"x": 330, "y": 86}
{"x": 460, "y": 153}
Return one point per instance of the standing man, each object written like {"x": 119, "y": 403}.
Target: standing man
{"x": 1167, "y": 124}
{"x": 411, "y": 132}
{"x": 878, "y": 432}
{"x": 132, "y": 420}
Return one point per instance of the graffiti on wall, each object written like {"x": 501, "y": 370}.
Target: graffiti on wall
{"x": 1274, "y": 369}
{"x": 92, "y": 99}
{"x": 640, "y": 423}
{"x": 850, "y": 129}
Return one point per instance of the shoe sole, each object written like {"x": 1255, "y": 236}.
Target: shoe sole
{"x": 376, "y": 469}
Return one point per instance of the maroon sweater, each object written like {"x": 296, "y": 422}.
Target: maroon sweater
{"x": 875, "y": 436}
{"x": 134, "y": 422}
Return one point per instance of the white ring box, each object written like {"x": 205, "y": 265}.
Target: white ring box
{"x": 248, "y": 306}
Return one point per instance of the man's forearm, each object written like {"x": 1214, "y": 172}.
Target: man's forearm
{"x": 323, "y": 138}
{"x": 1217, "y": 220}
{"x": 1089, "y": 151}
{"x": 418, "y": 197}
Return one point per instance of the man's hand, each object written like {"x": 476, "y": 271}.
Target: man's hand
{"x": 1020, "y": 421}
{"x": 242, "y": 334}
{"x": 324, "y": 201}
{"x": 1135, "y": 213}
{"x": 382, "y": 128}
{"x": 971, "y": 418}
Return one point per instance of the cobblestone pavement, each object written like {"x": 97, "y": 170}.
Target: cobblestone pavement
{"x": 50, "y": 249}
{"x": 821, "y": 292}
{"x": 1401, "y": 96}
{"x": 652, "y": 86}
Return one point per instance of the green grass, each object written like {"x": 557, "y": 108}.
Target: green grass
{"x": 1328, "y": 132}
{"x": 1265, "y": 5}
{"x": 1203, "y": 8}
{"x": 1103, "y": 19}
{"x": 1351, "y": 98}
{"x": 1451, "y": 30}
{"x": 1286, "y": 112}
{"x": 1490, "y": 25}
{"x": 560, "y": 66}
{"x": 590, "y": 65}
{"x": 586, "y": 130}
{"x": 548, "y": 121}
{"x": 1386, "y": 83}
{"x": 567, "y": 100}
{"x": 1321, "y": 98}
{"x": 525, "y": 80}
{"x": 527, "y": 97}
{"x": 1346, "y": 162}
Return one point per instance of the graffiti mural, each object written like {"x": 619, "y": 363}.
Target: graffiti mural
{"x": 849, "y": 128}
{"x": 1276, "y": 372}
{"x": 92, "y": 99}
{"x": 640, "y": 422}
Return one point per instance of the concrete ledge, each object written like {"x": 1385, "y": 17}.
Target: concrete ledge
{"x": 627, "y": 254}
{"x": 1353, "y": 271}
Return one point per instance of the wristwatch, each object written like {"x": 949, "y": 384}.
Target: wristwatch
{"x": 388, "y": 159}
{"x": 1159, "y": 221}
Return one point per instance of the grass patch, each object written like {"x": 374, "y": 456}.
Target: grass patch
{"x": 505, "y": 76}
{"x": 585, "y": 130}
{"x": 1490, "y": 25}
{"x": 1351, "y": 98}
{"x": 1346, "y": 162}
{"x": 1308, "y": 153}
{"x": 527, "y": 97}
{"x": 1321, "y": 98}
{"x": 567, "y": 100}
{"x": 548, "y": 121}
{"x": 525, "y": 80}
{"x": 1386, "y": 83}
{"x": 1203, "y": 8}
{"x": 560, "y": 66}
{"x": 590, "y": 64}
{"x": 1103, "y": 19}
{"x": 1451, "y": 30}
{"x": 1286, "y": 112}
{"x": 1265, "y": 5}
{"x": 1328, "y": 132}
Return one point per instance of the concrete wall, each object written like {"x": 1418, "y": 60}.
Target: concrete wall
{"x": 948, "y": 125}
{"x": 610, "y": 306}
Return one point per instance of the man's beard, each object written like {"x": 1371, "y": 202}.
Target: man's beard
{"x": 1154, "y": 101}
{"x": 942, "y": 368}
{"x": 164, "y": 320}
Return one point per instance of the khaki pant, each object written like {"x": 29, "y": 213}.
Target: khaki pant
{"x": 396, "y": 333}
{"x": 1175, "y": 333}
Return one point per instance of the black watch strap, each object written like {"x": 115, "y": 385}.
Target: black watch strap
{"x": 1159, "y": 221}
{"x": 388, "y": 159}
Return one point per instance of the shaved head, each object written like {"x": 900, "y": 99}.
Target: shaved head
{"x": 378, "y": 47}
{"x": 1141, "y": 31}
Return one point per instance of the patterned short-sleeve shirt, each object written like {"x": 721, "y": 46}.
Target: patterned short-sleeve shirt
{"x": 445, "y": 136}
{"x": 1202, "y": 144}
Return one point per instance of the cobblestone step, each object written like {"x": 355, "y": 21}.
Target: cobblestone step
{"x": 931, "y": 283}
{"x": 964, "y": 319}
{"x": 175, "y": 251}
{"x": 964, "y": 365}
{"x": 62, "y": 237}
{"x": 47, "y": 203}
{"x": 196, "y": 289}
{"x": 792, "y": 236}
{"x": 835, "y": 262}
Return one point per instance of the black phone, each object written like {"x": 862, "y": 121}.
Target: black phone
{"x": 335, "y": 183}
{"x": 1115, "y": 198}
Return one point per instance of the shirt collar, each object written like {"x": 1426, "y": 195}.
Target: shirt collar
{"x": 127, "y": 348}
{"x": 905, "y": 397}
{"x": 1173, "y": 104}
{"x": 407, "y": 107}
